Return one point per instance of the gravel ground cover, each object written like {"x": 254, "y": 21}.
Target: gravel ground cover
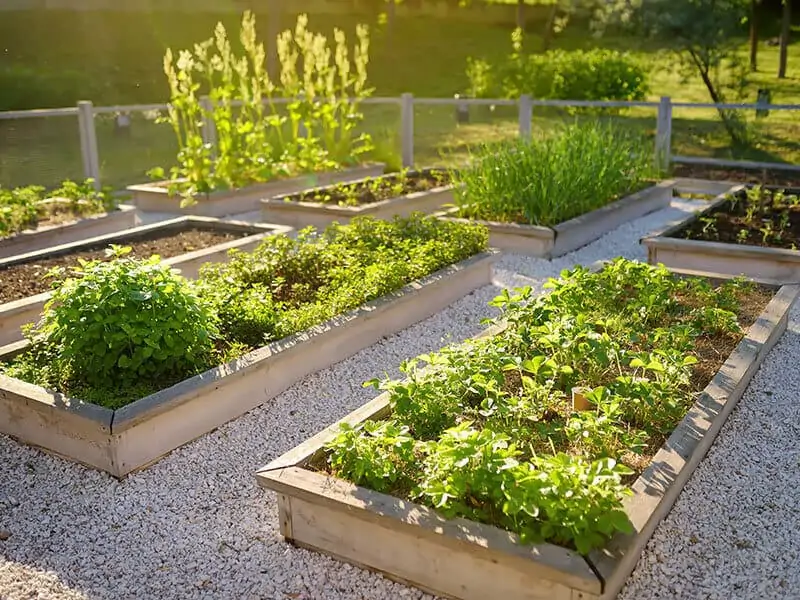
{"x": 195, "y": 525}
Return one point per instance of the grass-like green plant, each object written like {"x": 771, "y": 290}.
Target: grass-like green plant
{"x": 554, "y": 177}
{"x": 23, "y": 207}
{"x": 118, "y": 330}
{"x": 486, "y": 429}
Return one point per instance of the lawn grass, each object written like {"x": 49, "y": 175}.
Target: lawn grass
{"x": 120, "y": 56}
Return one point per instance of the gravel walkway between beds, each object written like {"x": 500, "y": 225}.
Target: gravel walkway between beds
{"x": 195, "y": 525}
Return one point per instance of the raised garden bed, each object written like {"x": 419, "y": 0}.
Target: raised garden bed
{"x": 551, "y": 242}
{"x": 185, "y": 242}
{"x": 462, "y": 472}
{"x": 49, "y": 235}
{"x": 749, "y": 231}
{"x": 156, "y": 197}
{"x": 32, "y": 218}
{"x": 380, "y": 197}
{"x": 122, "y": 434}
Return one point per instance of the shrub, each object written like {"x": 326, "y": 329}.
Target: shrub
{"x": 123, "y": 321}
{"x": 556, "y": 176}
{"x": 596, "y": 74}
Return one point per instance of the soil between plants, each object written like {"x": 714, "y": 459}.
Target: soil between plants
{"x": 375, "y": 189}
{"x": 27, "y": 279}
{"x": 759, "y": 176}
{"x": 728, "y": 223}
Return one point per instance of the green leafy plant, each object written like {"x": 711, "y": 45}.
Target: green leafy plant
{"x": 118, "y": 330}
{"x": 554, "y": 177}
{"x": 375, "y": 189}
{"x": 25, "y": 207}
{"x": 485, "y": 430}
{"x": 597, "y": 74}
{"x": 110, "y": 324}
{"x": 255, "y": 140}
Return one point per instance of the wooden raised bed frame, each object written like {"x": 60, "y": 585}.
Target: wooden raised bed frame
{"x": 130, "y": 438}
{"x": 27, "y": 310}
{"x": 32, "y": 240}
{"x": 282, "y": 209}
{"x": 551, "y": 242}
{"x": 778, "y": 265}
{"x": 458, "y": 558}
{"x": 155, "y": 197}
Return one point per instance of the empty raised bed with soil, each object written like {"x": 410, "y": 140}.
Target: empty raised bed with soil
{"x": 185, "y": 242}
{"x": 465, "y": 559}
{"x": 65, "y": 231}
{"x": 551, "y": 242}
{"x": 754, "y": 232}
{"x": 155, "y": 197}
{"x": 380, "y": 197}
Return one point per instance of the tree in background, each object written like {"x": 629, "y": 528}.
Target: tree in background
{"x": 703, "y": 34}
{"x": 786, "y": 28}
{"x": 754, "y": 35}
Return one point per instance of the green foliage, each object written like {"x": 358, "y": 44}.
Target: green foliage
{"x": 483, "y": 429}
{"x": 119, "y": 322}
{"x": 703, "y": 35}
{"x": 554, "y": 177}
{"x": 375, "y": 189}
{"x": 22, "y": 208}
{"x": 115, "y": 331}
{"x": 597, "y": 74}
{"x": 256, "y": 140}
{"x": 287, "y": 285}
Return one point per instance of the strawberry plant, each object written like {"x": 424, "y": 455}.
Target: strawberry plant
{"x": 487, "y": 429}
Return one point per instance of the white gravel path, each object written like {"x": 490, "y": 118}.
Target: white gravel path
{"x": 195, "y": 525}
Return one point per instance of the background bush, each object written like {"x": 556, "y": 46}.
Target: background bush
{"x": 597, "y": 74}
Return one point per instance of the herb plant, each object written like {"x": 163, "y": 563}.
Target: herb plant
{"x": 554, "y": 177}
{"x": 24, "y": 207}
{"x": 257, "y": 140}
{"x": 486, "y": 429}
{"x": 119, "y": 330}
{"x": 287, "y": 285}
{"x": 116, "y": 323}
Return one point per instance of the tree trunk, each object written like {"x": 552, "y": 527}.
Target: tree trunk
{"x": 521, "y": 14}
{"x": 274, "y": 8}
{"x": 753, "y": 35}
{"x": 547, "y": 38}
{"x": 729, "y": 119}
{"x": 786, "y": 26}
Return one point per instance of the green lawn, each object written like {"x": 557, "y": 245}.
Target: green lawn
{"x": 116, "y": 58}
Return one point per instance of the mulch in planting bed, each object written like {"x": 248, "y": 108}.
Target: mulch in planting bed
{"x": 375, "y": 189}
{"x": 775, "y": 227}
{"x": 27, "y": 279}
{"x": 770, "y": 177}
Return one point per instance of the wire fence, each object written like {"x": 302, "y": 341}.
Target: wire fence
{"x": 117, "y": 145}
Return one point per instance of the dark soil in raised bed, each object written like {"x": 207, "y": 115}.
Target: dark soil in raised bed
{"x": 27, "y": 279}
{"x": 375, "y": 189}
{"x": 756, "y": 176}
{"x": 759, "y": 218}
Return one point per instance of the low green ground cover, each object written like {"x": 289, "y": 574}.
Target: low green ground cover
{"x": 486, "y": 429}
{"x": 557, "y": 176}
{"x": 25, "y": 207}
{"x": 120, "y": 329}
